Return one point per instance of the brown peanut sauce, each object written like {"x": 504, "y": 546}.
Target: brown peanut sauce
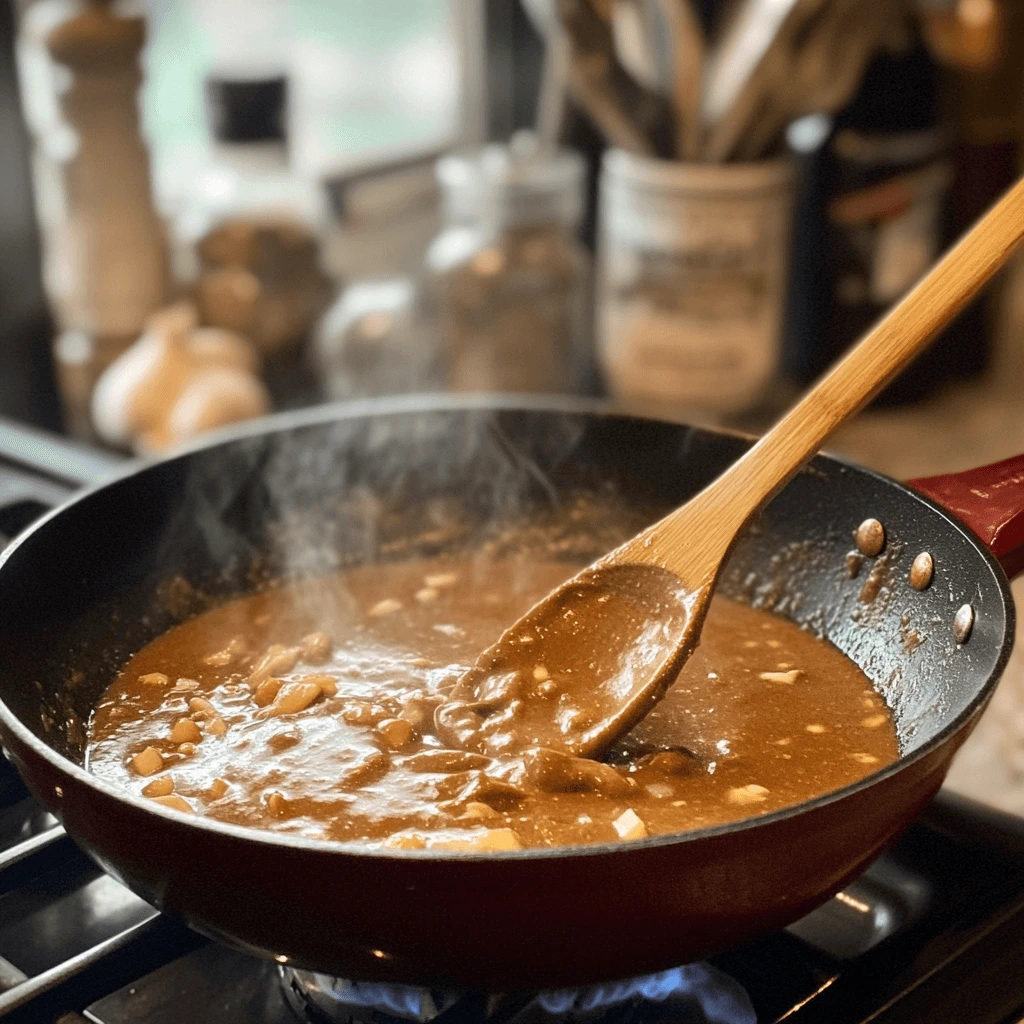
{"x": 309, "y": 709}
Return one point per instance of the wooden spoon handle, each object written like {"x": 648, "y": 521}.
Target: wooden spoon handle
{"x": 680, "y": 21}
{"x": 886, "y": 350}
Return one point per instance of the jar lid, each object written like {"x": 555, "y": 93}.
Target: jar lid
{"x": 458, "y": 176}
{"x": 527, "y": 184}
{"x": 246, "y": 110}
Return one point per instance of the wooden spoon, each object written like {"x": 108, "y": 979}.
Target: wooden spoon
{"x": 679, "y": 38}
{"x": 745, "y": 65}
{"x": 819, "y": 72}
{"x": 586, "y": 663}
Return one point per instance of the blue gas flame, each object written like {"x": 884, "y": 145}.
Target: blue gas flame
{"x": 713, "y": 996}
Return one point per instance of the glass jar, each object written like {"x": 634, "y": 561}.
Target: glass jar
{"x": 508, "y": 289}
{"x": 692, "y": 281}
{"x": 372, "y": 341}
{"x": 378, "y": 337}
{"x": 245, "y": 175}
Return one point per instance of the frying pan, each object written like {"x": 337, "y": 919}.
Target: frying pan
{"x": 301, "y": 493}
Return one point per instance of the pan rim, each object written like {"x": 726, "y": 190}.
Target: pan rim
{"x": 495, "y": 403}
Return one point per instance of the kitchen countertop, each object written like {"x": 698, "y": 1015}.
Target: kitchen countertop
{"x": 971, "y": 425}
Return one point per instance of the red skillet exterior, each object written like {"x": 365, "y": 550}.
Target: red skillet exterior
{"x": 520, "y": 920}
{"x": 486, "y": 923}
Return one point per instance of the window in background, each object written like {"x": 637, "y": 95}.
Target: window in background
{"x": 368, "y": 83}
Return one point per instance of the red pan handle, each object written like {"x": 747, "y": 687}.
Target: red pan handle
{"x": 990, "y": 502}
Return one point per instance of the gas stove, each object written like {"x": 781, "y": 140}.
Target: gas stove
{"x": 933, "y": 931}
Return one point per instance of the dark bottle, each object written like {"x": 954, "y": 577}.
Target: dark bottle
{"x": 984, "y": 57}
{"x": 887, "y": 179}
{"x": 255, "y": 227}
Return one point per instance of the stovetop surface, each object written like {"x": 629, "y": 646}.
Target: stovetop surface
{"x": 933, "y": 931}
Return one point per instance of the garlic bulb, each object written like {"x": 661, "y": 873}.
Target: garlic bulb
{"x": 177, "y": 381}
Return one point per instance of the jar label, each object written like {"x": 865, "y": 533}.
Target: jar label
{"x": 696, "y": 323}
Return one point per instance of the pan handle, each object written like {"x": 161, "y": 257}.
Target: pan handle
{"x": 989, "y": 501}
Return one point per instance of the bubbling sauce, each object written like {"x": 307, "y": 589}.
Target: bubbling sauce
{"x": 309, "y": 709}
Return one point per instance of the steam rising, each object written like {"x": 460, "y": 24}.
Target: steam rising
{"x": 304, "y": 503}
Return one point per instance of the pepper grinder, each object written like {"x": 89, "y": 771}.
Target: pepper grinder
{"x": 108, "y": 272}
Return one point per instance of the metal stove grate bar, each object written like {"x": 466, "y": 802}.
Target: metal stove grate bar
{"x": 10, "y": 976}
{"x": 121, "y": 937}
{"x": 29, "y": 858}
{"x": 31, "y": 847}
{"x": 63, "y": 972}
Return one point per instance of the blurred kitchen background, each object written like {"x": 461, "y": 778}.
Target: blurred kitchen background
{"x": 212, "y": 209}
